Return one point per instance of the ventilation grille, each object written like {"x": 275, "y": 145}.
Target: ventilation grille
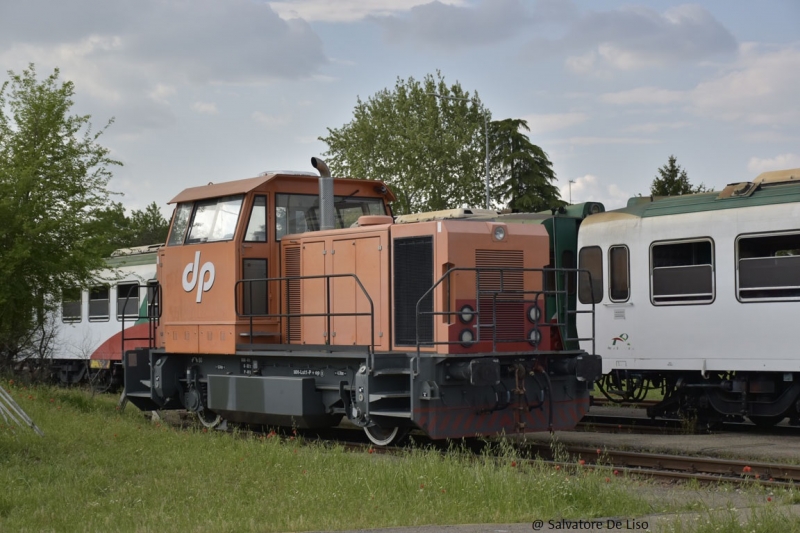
{"x": 291, "y": 261}
{"x": 413, "y": 276}
{"x": 491, "y": 281}
{"x": 508, "y": 310}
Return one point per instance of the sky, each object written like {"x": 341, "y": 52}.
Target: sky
{"x": 216, "y": 90}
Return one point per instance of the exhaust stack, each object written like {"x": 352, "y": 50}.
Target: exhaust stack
{"x": 325, "y": 193}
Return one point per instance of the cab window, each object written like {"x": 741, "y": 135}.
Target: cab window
{"x": 298, "y": 213}
{"x": 214, "y": 220}
{"x": 179, "y": 224}
{"x": 257, "y": 224}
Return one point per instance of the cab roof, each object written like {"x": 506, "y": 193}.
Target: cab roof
{"x": 229, "y": 188}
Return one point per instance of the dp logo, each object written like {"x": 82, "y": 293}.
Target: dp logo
{"x": 198, "y": 276}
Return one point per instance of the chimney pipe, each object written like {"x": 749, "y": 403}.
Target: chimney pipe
{"x": 325, "y": 193}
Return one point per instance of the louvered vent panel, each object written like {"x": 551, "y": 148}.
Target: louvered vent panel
{"x": 508, "y": 310}
{"x": 291, "y": 260}
{"x": 413, "y": 276}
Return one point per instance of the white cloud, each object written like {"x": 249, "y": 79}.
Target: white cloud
{"x": 779, "y": 162}
{"x": 644, "y": 96}
{"x": 582, "y": 64}
{"x": 457, "y": 26}
{"x": 148, "y": 51}
{"x": 346, "y": 10}
{"x": 161, "y": 93}
{"x": 270, "y": 121}
{"x": 588, "y": 141}
{"x": 634, "y": 37}
{"x": 553, "y": 121}
{"x": 760, "y": 88}
{"x": 652, "y": 127}
{"x": 205, "y": 108}
{"x": 590, "y": 188}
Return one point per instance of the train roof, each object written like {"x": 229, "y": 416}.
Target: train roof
{"x": 134, "y": 256}
{"x": 228, "y": 188}
{"x": 778, "y": 187}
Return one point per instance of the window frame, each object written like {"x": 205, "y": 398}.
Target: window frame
{"x": 119, "y": 309}
{"x": 737, "y": 260}
{"x": 72, "y": 319}
{"x": 627, "y": 273}
{"x": 713, "y": 266}
{"x": 207, "y": 237}
{"x": 107, "y": 316}
{"x": 179, "y": 241}
{"x": 594, "y": 299}
{"x": 250, "y": 218}
{"x": 338, "y": 222}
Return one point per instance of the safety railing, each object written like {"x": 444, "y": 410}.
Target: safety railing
{"x": 503, "y": 295}
{"x": 152, "y": 313}
{"x": 289, "y": 287}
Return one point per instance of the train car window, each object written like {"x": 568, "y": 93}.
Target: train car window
{"x": 127, "y": 300}
{"x": 98, "y": 303}
{"x": 590, "y": 286}
{"x": 682, "y": 272}
{"x": 298, "y": 213}
{"x": 768, "y": 267}
{"x": 180, "y": 223}
{"x": 257, "y": 225}
{"x": 214, "y": 220}
{"x": 619, "y": 274}
{"x": 71, "y": 305}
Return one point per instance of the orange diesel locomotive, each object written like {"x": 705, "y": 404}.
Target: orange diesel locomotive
{"x": 289, "y": 299}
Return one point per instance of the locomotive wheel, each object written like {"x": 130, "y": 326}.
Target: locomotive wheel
{"x": 766, "y": 421}
{"x": 208, "y": 418}
{"x": 381, "y": 436}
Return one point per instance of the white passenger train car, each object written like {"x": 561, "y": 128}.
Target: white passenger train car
{"x": 697, "y": 294}
{"x": 89, "y": 323}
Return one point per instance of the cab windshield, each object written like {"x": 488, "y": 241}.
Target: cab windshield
{"x": 298, "y": 213}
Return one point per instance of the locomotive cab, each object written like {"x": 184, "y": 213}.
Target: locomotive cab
{"x": 222, "y": 234}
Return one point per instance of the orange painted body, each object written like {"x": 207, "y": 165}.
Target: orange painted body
{"x": 365, "y": 252}
{"x": 203, "y": 319}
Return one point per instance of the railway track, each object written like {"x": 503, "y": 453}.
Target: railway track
{"x": 606, "y": 422}
{"x": 676, "y": 467}
{"x": 616, "y": 462}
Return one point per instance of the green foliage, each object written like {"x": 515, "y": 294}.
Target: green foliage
{"x": 672, "y": 180}
{"x": 430, "y": 150}
{"x": 148, "y": 226}
{"x": 112, "y": 229}
{"x": 53, "y": 179}
{"x": 522, "y": 169}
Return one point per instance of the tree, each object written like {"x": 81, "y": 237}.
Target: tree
{"x": 523, "y": 171}
{"x": 148, "y": 226}
{"x": 430, "y": 150}
{"x": 53, "y": 186}
{"x": 672, "y": 180}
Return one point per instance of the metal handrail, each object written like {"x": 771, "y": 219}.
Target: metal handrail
{"x": 494, "y": 295}
{"x": 240, "y": 313}
{"x": 153, "y": 319}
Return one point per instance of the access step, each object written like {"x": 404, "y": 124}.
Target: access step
{"x": 392, "y": 414}
{"x": 392, "y": 371}
{"x": 385, "y": 395}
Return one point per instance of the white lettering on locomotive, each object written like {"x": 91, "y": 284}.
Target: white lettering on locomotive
{"x": 204, "y": 284}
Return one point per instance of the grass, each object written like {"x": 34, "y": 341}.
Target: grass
{"x": 98, "y": 469}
